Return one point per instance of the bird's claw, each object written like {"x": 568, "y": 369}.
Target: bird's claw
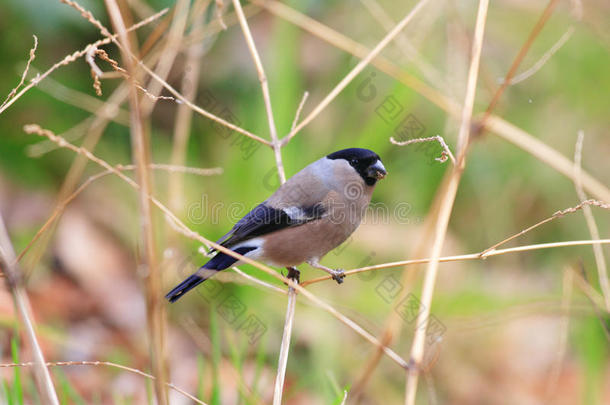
{"x": 338, "y": 275}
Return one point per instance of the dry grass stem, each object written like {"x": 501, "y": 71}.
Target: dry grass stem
{"x": 262, "y": 78}
{"x": 155, "y": 310}
{"x": 184, "y": 230}
{"x": 84, "y": 101}
{"x": 591, "y": 293}
{"x": 566, "y": 298}
{"x": 446, "y": 153}
{"x": 13, "y": 279}
{"x": 356, "y": 70}
{"x": 558, "y": 214}
{"x": 598, "y": 252}
{"x": 108, "y": 364}
{"x": 284, "y": 347}
{"x": 151, "y": 95}
{"x": 446, "y": 207}
{"x": 277, "y": 151}
{"x": 298, "y": 113}
{"x": 24, "y": 74}
{"x": 544, "y": 58}
{"x": 184, "y": 115}
{"x": 546, "y": 155}
{"x": 259, "y": 282}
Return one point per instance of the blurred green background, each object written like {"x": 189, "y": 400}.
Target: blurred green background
{"x": 502, "y": 317}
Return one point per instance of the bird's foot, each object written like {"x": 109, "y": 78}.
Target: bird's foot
{"x": 294, "y": 274}
{"x": 338, "y": 275}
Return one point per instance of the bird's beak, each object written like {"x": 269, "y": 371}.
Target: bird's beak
{"x": 377, "y": 170}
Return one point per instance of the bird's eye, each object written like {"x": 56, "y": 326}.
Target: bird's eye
{"x": 353, "y": 162}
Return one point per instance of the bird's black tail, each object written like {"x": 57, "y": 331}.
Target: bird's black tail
{"x": 219, "y": 262}
{"x": 184, "y": 287}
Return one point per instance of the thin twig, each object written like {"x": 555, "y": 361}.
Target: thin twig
{"x": 566, "y": 298}
{"x": 170, "y": 51}
{"x": 598, "y": 252}
{"x": 105, "y": 363}
{"x": 83, "y": 101}
{"x": 25, "y": 72}
{"x": 446, "y": 207}
{"x": 544, "y": 58}
{"x": 544, "y": 17}
{"x": 355, "y": 71}
{"x": 13, "y": 280}
{"x": 259, "y": 282}
{"x": 299, "y": 110}
{"x": 556, "y": 215}
{"x": 184, "y": 115}
{"x": 597, "y": 301}
{"x": 446, "y": 153}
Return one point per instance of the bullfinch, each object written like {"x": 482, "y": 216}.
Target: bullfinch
{"x": 315, "y": 211}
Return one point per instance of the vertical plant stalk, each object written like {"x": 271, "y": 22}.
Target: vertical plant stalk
{"x": 140, "y": 144}
{"x": 12, "y": 275}
{"x": 285, "y": 346}
{"x": 169, "y": 51}
{"x": 277, "y": 151}
{"x": 262, "y": 78}
{"x": 184, "y": 117}
{"x": 598, "y": 251}
{"x": 290, "y": 309}
{"x": 446, "y": 207}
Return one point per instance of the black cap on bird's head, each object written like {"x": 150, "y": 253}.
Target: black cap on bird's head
{"x": 366, "y": 162}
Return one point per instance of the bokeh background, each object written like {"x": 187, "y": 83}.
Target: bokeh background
{"x": 506, "y": 337}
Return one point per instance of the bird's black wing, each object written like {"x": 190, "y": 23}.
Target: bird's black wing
{"x": 264, "y": 219}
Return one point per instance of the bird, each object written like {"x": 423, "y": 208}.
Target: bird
{"x": 309, "y": 215}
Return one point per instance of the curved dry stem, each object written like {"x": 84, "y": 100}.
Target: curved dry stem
{"x": 262, "y": 78}
{"x": 556, "y": 215}
{"x": 140, "y": 140}
{"x": 446, "y": 153}
{"x": 598, "y": 252}
{"x": 109, "y": 364}
{"x": 24, "y": 74}
{"x": 21, "y": 302}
